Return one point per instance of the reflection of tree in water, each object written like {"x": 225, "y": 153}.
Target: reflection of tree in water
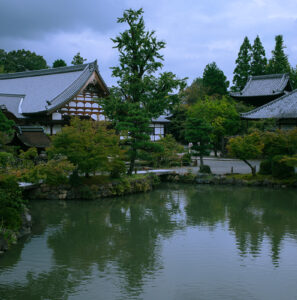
{"x": 123, "y": 235}
{"x": 252, "y": 214}
{"x": 112, "y": 234}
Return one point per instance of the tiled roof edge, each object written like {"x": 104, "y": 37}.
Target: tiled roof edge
{"x": 44, "y": 71}
{"x": 243, "y": 115}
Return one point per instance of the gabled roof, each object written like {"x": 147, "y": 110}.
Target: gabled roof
{"x": 11, "y": 103}
{"x": 46, "y": 90}
{"x": 30, "y": 136}
{"x": 264, "y": 85}
{"x": 284, "y": 107}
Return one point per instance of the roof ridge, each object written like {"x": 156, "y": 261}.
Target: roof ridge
{"x": 268, "y": 76}
{"x": 49, "y": 71}
{"x": 12, "y": 95}
{"x": 268, "y": 104}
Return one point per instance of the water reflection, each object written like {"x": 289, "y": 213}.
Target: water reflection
{"x": 118, "y": 244}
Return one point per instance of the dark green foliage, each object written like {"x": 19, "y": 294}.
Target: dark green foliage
{"x": 214, "y": 80}
{"x": 279, "y": 61}
{"x": 196, "y": 91}
{"x": 78, "y": 59}
{"x": 205, "y": 169}
{"x": 242, "y": 70}
{"x": 140, "y": 95}
{"x": 6, "y": 128}
{"x": 59, "y": 63}
{"x": 293, "y": 77}
{"x": 22, "y": 60}
{"x": 11, "y": 203}
{"x": 258, "y": 59}
{"x": 265, "y": 167}
{"x": 280, "y": 170}
{"x": 117, "y": 168}
{"x": 10, "y": 218}
{"x": 198, "y": 132}
{"x": 186, "y": 159}
{"x": 176, "y": 127}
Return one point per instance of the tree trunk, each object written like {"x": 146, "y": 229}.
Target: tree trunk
{"x": 201, "y": 160}
{"x": 253, "y": 168}
{"x": 132, "y": 163}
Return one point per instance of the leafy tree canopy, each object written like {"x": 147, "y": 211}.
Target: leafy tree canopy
{"x": 87, "y": 145}
{"x": 243, "y": 61}
{"x": 214, "y": 80}
{"x": 21, "y": 60}
{"x": 279, "y": 61}
{"x": 196, "y": 91}
{"x": 258, "y": 59}
{"x": 78, "y": 59}
{"x": 59, "y": 63}
{"x": 6, "y": 128}
{"x": 246, "y": 147}
{"x": 140, "y": 96}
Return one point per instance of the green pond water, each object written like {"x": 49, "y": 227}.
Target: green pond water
{"x": 177, "y": 242}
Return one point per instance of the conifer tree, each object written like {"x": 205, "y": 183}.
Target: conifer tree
{"x": 243, "y": 68}
{"x": 258, "y": 59}
{"x": 279, "y": 61}
{"x": 214, "y": 80}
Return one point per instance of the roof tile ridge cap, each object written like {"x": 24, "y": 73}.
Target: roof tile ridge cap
{"x": 268, "y": 104}
{"x": 43, "y": 72}
{"x": 267, "y": 76}
{"x": 86, "y": 70}
{"x": 12, "y": 95}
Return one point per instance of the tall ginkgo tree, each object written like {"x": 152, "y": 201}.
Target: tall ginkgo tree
{"x": 142, "y": 92}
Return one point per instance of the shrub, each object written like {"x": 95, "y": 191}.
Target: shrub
{"x": 6, "y": 159}
{"x": 186, "y": 159}
{"x": 280, "y": 169}
{"x": 117, "y": 168}
{"x": 54, "y": 172}
{"x": 205, "y": 169}
{"x": 265, "y": 167}
{"x": 10, "y": 218}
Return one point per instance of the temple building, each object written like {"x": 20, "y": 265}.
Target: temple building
{"x": 260, "y": 90}
{"x": 44, "y": 100}
{"x": 284, "y": 109}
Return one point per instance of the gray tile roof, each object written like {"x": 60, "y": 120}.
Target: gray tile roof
{"x": 11, "y": 103}
{"x": 265, "y": 85}
{"x": 284, "y": 107}
{"x": 45, "y": 90}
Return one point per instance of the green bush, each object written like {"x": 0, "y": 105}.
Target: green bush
{"x": 54, "y": 172}
{"x": 10, "y": 218}
{"x": 265, "y": 167}
{"x": 186, "y": 159}
{"x": 6, "y": 159}
{"x": 205, "y": 169}
{"x": 280, "y": 170}
{"x": 117, "y": 168}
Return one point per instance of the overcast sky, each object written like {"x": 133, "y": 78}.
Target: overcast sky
{"x": 197, "y": 32}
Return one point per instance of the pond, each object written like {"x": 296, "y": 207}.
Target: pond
{"x": 177, "y": 242}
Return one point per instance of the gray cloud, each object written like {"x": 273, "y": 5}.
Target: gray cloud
{"x": 196, "y": 32}
{"x": 34, "y": 18}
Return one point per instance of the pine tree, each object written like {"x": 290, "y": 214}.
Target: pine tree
{"x": 242, "y": 70}
{"x": 258, "y": 59}
{"x": 78, "y": 59}
{"x": 279, "y": 61}
{"x": 214, "y": 80}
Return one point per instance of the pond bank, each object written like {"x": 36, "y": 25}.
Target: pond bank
{"x": 94, "y": 191}
{"x": 231, "y": 179}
